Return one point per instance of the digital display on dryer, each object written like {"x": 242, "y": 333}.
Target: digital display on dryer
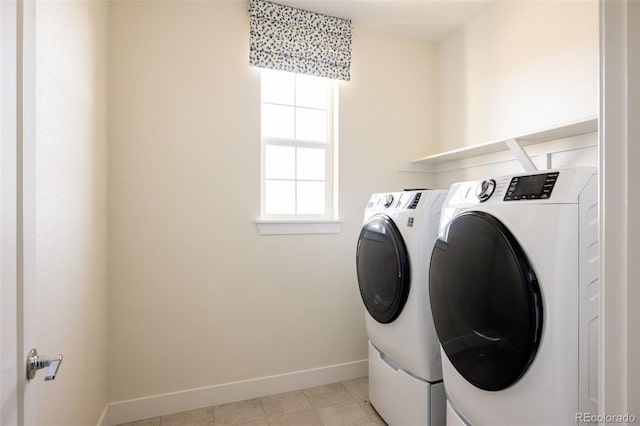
{"x": 530, "y": 185}
{"x": 533, "y": 187}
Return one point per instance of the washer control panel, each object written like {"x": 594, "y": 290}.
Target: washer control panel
{"x": 407, "y": 199}
{"x": 485, "y": 189}
{"x": 532, "y": 187}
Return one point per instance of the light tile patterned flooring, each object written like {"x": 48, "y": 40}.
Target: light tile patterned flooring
{"x": 337, "y": 404}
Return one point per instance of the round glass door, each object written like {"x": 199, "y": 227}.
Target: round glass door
{"x": 383, "y": 269}
{"x": 485, "y": 301}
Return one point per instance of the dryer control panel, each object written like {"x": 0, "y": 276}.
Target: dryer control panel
{"x": 532, "y": 187}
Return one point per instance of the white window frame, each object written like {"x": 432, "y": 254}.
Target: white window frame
{"x": 299, "y": 223}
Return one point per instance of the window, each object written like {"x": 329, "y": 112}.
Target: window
{"x": 298, "y": 143}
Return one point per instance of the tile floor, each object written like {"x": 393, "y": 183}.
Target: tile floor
{"x": 337, "y": 404}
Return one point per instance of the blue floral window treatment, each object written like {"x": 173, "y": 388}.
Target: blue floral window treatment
{"x": 288, "y": 39}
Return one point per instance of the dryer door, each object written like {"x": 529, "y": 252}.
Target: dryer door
{"x": 383, "y": 269}
{"x": 485, "y": 300}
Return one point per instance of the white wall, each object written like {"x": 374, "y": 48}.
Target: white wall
{"x": 71, "y": 210}
{"x": 196, "y": 296}
{"x": 519, "y": 67}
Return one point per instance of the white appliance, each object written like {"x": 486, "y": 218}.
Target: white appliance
{"x": 514, "y": 296}
{"x": 405, "y": 374}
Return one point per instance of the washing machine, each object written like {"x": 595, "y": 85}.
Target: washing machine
{"x": 394, "y": 247}
{"x": 514, "y": 296}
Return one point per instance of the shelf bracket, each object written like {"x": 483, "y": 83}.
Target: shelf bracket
{"x": 521, "y": 155}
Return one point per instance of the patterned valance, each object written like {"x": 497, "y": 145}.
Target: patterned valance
{"x": 289, "y": 39}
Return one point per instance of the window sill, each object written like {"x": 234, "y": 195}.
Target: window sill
{"x": 291, "y": 227}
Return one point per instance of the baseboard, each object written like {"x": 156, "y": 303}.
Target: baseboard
{"x": 191, "y": 399}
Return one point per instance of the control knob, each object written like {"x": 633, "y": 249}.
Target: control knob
{"x": 485, "y": 189}
{"x": 388, "y": 199}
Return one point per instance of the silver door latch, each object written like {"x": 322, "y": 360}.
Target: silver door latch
{"x": 36, "y": 362}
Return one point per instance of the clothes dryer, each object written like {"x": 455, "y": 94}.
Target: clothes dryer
{"x": 514, "y": 296}
{"x": 405, "y": 375}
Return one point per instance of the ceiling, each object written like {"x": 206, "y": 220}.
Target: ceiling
{"x": 425, "y": 19}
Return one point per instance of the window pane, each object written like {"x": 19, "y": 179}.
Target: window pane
{"x": 277, "y": 87}
{"x": 277, "y": 121}
{"x": 279, "y": 197}
{"x": 311, "y": 198}
{"x": 279, "y": 162}
{"x": 311, "y": 91}
{"x": 311, "y": 125}
{"x": 311, "y": 163}
{"x": 295, "y": 109}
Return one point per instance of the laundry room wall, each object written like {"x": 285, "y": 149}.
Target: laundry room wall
{"x": 518, "y": 67}
{"x": 196, "y": 296}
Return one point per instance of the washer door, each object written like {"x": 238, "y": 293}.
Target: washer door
{"x": 383, "y": 269}
{"x": 485, "y": 300}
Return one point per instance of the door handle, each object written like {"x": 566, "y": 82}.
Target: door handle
{"x": 36, "y": 362}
